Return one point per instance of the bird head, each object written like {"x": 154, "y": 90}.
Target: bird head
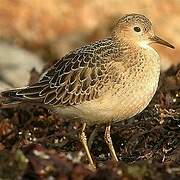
{"x": 138, "y": 30}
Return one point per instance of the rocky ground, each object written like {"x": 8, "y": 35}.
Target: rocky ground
{"x": 37, "y": 144}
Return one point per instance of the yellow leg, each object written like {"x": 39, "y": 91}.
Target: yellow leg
{"x": 84, "y": 143}
{"x": 108, "y": 140}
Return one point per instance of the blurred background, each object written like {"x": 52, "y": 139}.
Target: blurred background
{"x": 36, "y": 31}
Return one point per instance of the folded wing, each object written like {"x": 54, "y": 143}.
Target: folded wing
{"x": 76, "y": 78}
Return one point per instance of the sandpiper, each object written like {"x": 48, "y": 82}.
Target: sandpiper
{"x": 104, "y": 82}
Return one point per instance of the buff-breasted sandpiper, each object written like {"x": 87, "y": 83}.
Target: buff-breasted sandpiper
{"x": 104, "y": 82}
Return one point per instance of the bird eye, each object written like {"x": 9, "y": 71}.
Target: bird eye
{"x": 137, "y": 29}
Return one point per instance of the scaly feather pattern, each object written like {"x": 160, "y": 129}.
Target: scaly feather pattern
{"x": 81, "y": 75}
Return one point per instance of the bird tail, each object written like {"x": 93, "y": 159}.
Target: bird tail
{"x": 32, "y": 94}
{"x": 12, "y": 95}
{"x": 27, "y": 94}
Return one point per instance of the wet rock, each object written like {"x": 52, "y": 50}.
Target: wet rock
{"x": 4, "y": 85}
{"x": 15, "y": 65}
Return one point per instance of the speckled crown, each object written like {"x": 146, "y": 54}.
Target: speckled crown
{"x": 136, "y": 18}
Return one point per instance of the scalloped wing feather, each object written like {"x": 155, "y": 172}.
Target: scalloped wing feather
{"x": 82, "y": 75}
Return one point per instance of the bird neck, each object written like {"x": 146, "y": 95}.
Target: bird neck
{"x": 128, "y": 50}
{"x": 132, "y": 54}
